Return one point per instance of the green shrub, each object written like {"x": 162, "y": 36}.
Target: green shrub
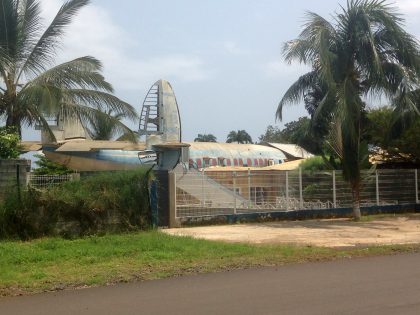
{"x": 18, "y": 217}
{"x": 315, "y": 164}
{"x": 310, "y": 190}
{"x": 105, "y": 202}
{"x": 9, "y": 143}
{"x": 47, "y": 167}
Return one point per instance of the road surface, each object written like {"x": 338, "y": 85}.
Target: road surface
{"x": 379, "y": 285}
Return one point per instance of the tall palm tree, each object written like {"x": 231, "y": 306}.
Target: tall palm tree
{"x": 103, "y": 126}
{"x": 31, "y": 89}
{"x": 205, "y": 138}
{"x": 240, "y": 136}
{"x": 365, "y": 51}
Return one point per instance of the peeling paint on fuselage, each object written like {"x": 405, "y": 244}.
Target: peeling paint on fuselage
{"x": 201, "y": 155}
{"x": 226, "y": 154}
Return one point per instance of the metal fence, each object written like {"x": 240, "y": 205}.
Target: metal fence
{"x": 47, "y": 181}
{"x": 213, "y": 192}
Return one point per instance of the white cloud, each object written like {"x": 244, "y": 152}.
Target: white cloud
{"x": 409, "y": 7}
{"x": 411, "y": 10}
{"x": 135, "y": 73}
{"x": 281, "y": 69}
{"x": 232, "y": 48}
{"x": 94, "y": 33}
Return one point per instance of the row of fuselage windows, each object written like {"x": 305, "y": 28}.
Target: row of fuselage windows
{"x": 207, "y": 162}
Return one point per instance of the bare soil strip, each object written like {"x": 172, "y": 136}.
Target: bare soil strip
{"x": 379, "y": 230}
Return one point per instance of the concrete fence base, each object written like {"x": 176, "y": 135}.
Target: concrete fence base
{"x": 13, "y": 172}
{"x": 295, "y": 215}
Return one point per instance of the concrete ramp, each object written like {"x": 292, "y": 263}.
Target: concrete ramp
{"x": 205, "y": 191}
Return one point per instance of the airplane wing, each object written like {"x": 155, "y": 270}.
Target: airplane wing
{"x": 91, "y": 145}
{"x": 27, "y": 146}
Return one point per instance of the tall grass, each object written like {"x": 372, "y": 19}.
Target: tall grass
{"x": 112, "y": 201}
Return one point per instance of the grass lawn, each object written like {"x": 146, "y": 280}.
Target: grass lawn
{"x": 55, "y": 263}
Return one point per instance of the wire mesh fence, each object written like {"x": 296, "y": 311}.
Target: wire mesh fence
{"x": 213, "y": 191}
{"x": 47, "y": 181}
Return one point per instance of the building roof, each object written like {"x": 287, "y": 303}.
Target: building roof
{"x": 287, "y": 166}
{"x": 291, "y": 149}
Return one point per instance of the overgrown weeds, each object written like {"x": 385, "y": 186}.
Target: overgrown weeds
{"x": 105, "y": 202}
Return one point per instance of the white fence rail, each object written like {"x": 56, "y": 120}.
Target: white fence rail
{"x": 213, "y": 192}
{"x": 46, "y": 181}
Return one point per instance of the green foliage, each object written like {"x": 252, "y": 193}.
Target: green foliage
{"x": 76, "y": 208}
{"x": 315, "y": 164}
{"x": 240, "y": 136}
{"x": 104, "y": 126}
{"x": 364, "y": 51}
{"x": 205, "y": 138}
{"x": 48, "y": 167}
{"x": 301, "y": 132}
{"x": 31, "y": 90}
{"x": 296, "y": 131}
{"x": 380, "y": 126}
{"x": 9, "y": 143}
{"x": 272, "y": 134}
{"x": 310, "y": 191}
{"x": 409, "y": 141}
{"x": 403, "y": 145}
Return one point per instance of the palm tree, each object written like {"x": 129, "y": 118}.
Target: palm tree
{"x": 31, "y": 90}
{"x": 205, "y": 138}
{"x": 240, "y": 136}
{"x": 103, "y": 127}
{"x": 364, "y": 51}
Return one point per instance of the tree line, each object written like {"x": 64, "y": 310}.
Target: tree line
{"x": 240, "y": 136}
{"x": 34, "y": 90}
{"x": 363, "y": 52}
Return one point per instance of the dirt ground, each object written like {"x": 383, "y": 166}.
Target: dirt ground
{"x": 380, "y": 230}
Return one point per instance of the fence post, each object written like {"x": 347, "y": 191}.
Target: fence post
{"x": 202, "y": 188}
{"x": 334, "y": 190}
{"x": 154, "y": 203}
{"x": 234, "y": 192}
{"x": 300, "y": 189}
{"x": 377, "y": 187}
{"x": 18, "y": 180}
{"x": 173, "y": 220}
{"x": 416, "y": 185}
{"x": 249, "y": 185}
{"x": 287, "y": 190}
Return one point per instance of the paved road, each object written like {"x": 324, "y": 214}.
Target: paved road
{"x": 380, "y": 285}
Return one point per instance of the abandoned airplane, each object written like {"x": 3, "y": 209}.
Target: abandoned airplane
{"x": 160, "y": 125}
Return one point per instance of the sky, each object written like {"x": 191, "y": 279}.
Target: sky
{"x": 223, "y": 58}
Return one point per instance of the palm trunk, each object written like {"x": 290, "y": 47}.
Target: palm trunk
{"x": 356, "y": 201}
{"x": 10, "y": 122}
{"x": 12, "y": 115}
